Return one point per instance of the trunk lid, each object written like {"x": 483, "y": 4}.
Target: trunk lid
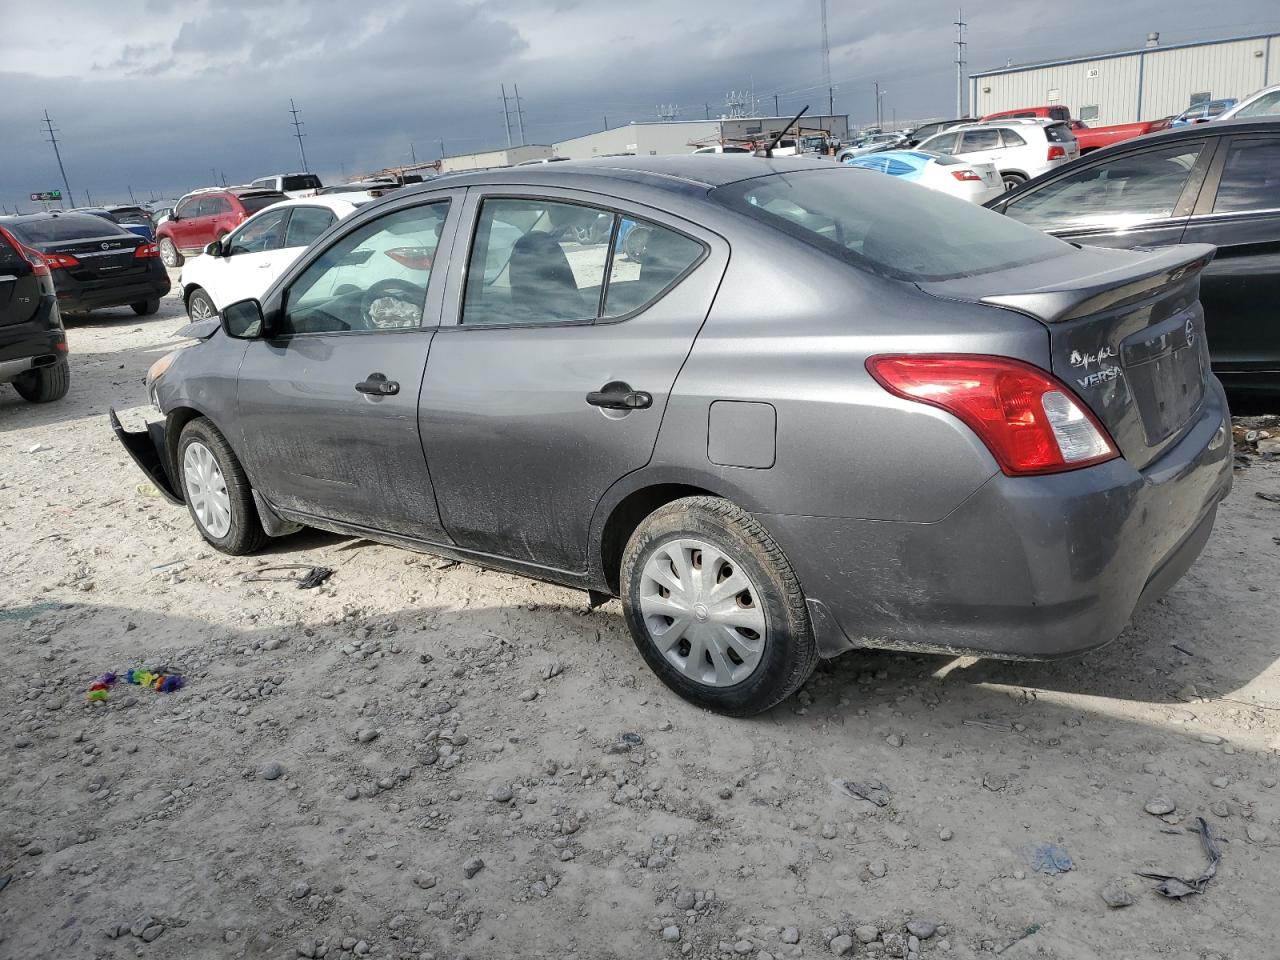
{"x": 1126, "y": 333}
{"x": 101, "y": 258}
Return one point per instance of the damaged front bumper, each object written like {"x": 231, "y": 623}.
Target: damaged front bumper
{"x": 148, "y": 448}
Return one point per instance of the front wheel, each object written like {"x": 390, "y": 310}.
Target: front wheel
{"x": 715, "y": 607}
{"x": 169, "y": 254}
{"x": 145, "y": 308}
{"x": 44, "y": 384}
{"x": 217, "y": 491}
{"x": 200, "y": 306}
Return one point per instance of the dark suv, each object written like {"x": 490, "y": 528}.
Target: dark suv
{"x": 95, "y": 262}
{"x": 208, "y": 215}
{"x": 33, "y": 346}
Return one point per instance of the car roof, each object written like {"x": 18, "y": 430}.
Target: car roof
{"x": 337, "y": 203}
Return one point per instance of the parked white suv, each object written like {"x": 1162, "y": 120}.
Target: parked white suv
{"x": 249, "y": 259}
{"x": 290, "y": 184}
{"x": 1020, "y": 149}
{"x": 1263, "y": 103}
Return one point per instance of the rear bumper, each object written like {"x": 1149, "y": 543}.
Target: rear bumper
{"x": 75, "y": 295}
{"x": 39, "y": 342}
{"x": 1027, "y": 567}
{"x": 148, "y": 449}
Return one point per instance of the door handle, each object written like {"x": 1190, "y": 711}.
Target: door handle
{"x": 617, "y": 395}
{"x": 378, "y": 385}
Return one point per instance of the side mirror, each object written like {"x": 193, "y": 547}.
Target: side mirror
{"x": 214, "y": 249}
{"x": 243, "y": 320}
{"x": 173, "y": 215}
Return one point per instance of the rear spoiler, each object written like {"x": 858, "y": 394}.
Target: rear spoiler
{"x": 1107, "y": 278}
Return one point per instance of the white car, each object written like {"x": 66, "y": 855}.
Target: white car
{"x": 1264, "y": 103}
{"x": 290, "y": 184}
{"x": 722, "y": 148}
{"x": 258, "y": 251}
{"x": 975, "y": 182}
{"x": 1020, "y": 149}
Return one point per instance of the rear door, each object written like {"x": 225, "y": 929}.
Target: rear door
{"x": 1141, "y": 197}
{"x": 980, "y": 145}
{"x": 548, "y": 379}
{"x": 1239, "y": 212}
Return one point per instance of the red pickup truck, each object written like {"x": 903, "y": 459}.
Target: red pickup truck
{"x": 1093, "y": 138}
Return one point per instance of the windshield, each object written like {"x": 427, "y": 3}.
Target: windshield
{"x": 74, "y": 226}
{"x": 892, "y": 228}
{"x": 302, "y": 181}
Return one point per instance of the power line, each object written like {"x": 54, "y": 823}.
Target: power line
{"x": 297, "y": 132}
{"x": 53, "y": 138}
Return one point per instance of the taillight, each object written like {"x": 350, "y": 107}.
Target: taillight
{"x": 33, "y": 257}
{"x": 1028, "y": 419}
{"x": 145, "y": 251}
{"x": 1056, "y": 152}
{"x": 60, "y": 261}
{"x": 965, "y": 175}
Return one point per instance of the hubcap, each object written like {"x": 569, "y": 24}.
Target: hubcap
{"x": 201, "y": 309}
{"x": 702, "y": 612}
{"x": 206, "y": 490}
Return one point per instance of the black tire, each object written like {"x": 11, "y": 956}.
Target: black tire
{"x": 199, "y": 294}
{"x": 1012, "y": 181}
{"x": 245, "y": 534}
{"x": 790, "y": 651}
{"x": 44, "y": 384}
{"x": 145, "y": 308}
{"x": 170, "y": 255}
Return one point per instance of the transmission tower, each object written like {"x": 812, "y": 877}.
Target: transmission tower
{"x": 737, "y": 101}
{"x": 826, "y": 64}
{"x": 297, "y": 132}
{"x": 960, "y": 63}
{"x": 667, "y": 111}
{"x": 519, "y": 112}
{"x": 53, "y": 138}
{"x": 506, "y": 114}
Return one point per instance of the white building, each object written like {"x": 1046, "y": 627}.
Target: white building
{"x": 1145, "y": 84}
{"x": 506, "y": 157}
{"x": 661, "y": 137}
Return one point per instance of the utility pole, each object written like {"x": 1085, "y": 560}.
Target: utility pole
{"x": 878, "y": 95}
{"x": 519, "y": 112}
{"x": 826, "y": 63}
{"x": 442, "y": 148}
{"x": 606, "y": 122}
{"x": 960, "y": 45}
{"x": 413, "y": 154}
{"x": 708, "y": 106}
{"x": 506, "y": 115}
{"x": 297, "y": 132}
{"x": 53, "y": 138}
{"x": 775, "y": 105}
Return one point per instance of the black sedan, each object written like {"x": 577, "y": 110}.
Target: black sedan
{"x": 95, "y": 263}
{"x": 1213, "y": 183}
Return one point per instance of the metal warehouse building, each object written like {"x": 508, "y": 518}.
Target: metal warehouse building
{"x": 1155, "y": 81}
{"x": 684, "y": 136}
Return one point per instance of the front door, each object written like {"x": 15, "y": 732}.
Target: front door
{"x": 1239, "y": 211}
{"x": 548, "y": 379}
{"x": 1138, "y": 198}
{"x": 245, "y": 268}
{"x": 328, "y": 403}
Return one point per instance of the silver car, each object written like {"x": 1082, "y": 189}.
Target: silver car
{"x": 781, "y": 409}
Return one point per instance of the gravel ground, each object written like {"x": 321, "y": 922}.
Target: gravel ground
{"x": 424, "y": 759}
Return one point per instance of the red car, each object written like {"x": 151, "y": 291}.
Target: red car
{"x": 208, "y": 215}
{"x": 1031, "y": 113}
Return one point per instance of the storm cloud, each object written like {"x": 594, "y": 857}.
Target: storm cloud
{"x": 161, "y": 96}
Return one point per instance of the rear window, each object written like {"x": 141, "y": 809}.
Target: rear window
{"x": 131, "y": 215}
{"x": 302, "y": 181}
{"x": 1059, "y": 133}
{"x": 73, "y": 226}
{"x": 889, "y": 227}
{"x": 10, "y": 260}
{"x": 260, "y": 201}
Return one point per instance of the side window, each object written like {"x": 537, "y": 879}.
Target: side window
{"x": 1012, "y": 138}
{"x": 374, "y": 278}
{"x": 1251, "y": 178}
{"x": 306, "y": 224}
{"x": 218, "y": 205}
{"x": 203, "y": 207}
{"x": 1120, "y": 192}
{"x": 188, "y": 208}
{"x": 1267, "y": 105}
{"x": 260, "y": 234}
{"x": 943, "y": 143}
{"x": 536, "y": 261}
{"x": 975, "y": 140}
{"x": 647, "y": 260}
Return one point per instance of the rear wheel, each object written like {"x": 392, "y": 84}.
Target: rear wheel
{"x": 715, "y": 608}
{"x": 169, "y": 254}
{"x": 44, "y": 384}
{"x": 200, "y": 306}
{"x": 1012, "y": 180}
{"x": 217, "y": 491}
{"x": 145, "y": 308}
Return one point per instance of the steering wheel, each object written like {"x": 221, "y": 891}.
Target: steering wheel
{"x": 392, "y": 304}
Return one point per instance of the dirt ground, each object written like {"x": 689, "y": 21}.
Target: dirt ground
{"x": 341, "y": 759}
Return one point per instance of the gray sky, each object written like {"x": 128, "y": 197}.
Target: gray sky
{"x": 158, "y": 94}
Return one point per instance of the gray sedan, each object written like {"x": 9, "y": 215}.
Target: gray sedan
{"x": 780, "y": 409}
